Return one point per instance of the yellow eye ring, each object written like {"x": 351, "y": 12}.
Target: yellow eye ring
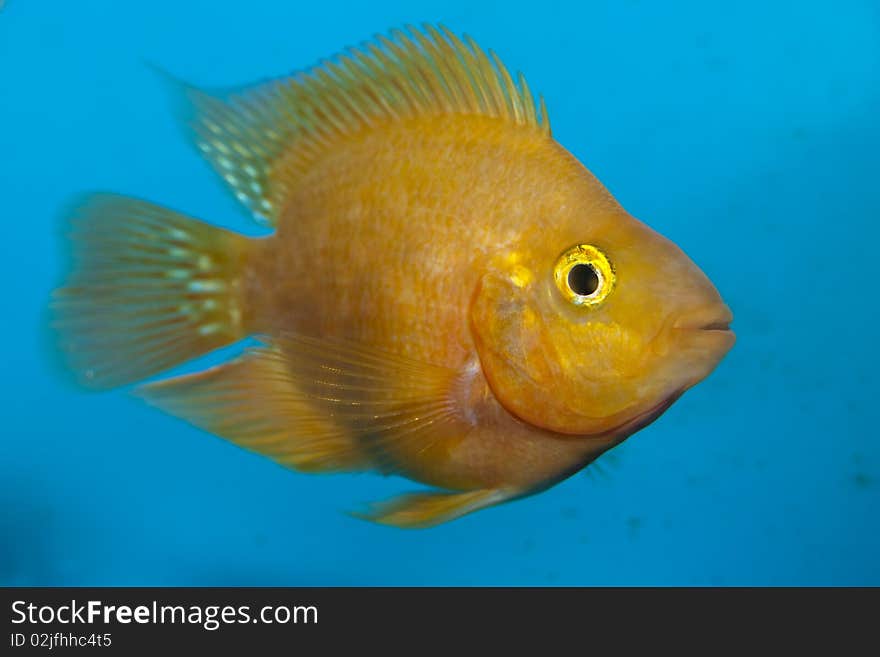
{"x": 584, "y": 275}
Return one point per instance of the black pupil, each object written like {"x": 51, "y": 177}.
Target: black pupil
{"x": 583, "y": 280}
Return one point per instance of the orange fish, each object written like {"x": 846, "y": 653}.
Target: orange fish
{"x": 447, "y": 295}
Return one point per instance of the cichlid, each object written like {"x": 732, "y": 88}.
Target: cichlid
{"x": 447, "y": 294}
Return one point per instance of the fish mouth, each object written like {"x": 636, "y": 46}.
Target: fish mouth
{"x": 715, "y": 319}
{"x": 716, "y": 326}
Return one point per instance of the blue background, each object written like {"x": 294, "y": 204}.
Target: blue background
{"x": 749, "y": 135}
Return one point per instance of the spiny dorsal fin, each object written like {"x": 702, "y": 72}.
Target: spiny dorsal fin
{"x": 262, "y": 138}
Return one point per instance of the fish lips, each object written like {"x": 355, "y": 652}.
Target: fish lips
{"x": 712, "y": 319}
{"x": 708, "y": 330}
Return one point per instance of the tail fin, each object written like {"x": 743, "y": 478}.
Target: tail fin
{"x": 149, "y": 289}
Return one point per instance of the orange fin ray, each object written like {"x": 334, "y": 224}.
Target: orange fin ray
{"x": 320, "y": 405}
{"x": 150, "y": 289}
{"x": 262, "y": 139}
{"x": 254, "y": 402}
{"x": 422, "y": 510}
{"x": 396, "y": 406}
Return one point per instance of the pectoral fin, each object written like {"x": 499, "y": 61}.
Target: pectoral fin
{"x": 255, "y": 402}
{"x": 321, "y": 405}
{"x": 398, "y": 408}
{"x": 328, "y": 405}
{"x": 421, "y": 510}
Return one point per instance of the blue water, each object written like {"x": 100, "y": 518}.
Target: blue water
{"x": 749, "y": 136}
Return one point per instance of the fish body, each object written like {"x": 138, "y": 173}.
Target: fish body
{"x": 448, "y": 294}
{"x": 373, "y": 229}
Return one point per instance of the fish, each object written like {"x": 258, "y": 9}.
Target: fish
{"x": 444, "y": 294}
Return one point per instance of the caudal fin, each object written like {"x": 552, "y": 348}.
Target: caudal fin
{"x": 149, "y": 289}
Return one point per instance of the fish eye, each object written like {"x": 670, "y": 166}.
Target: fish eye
{"x": 583, "y": 280}
{"x": 584, "y": 275}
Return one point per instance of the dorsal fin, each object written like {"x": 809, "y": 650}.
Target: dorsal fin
{"x": 263, "y": 138}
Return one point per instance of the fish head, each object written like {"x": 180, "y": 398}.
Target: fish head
{"x": 596, "y": 324}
